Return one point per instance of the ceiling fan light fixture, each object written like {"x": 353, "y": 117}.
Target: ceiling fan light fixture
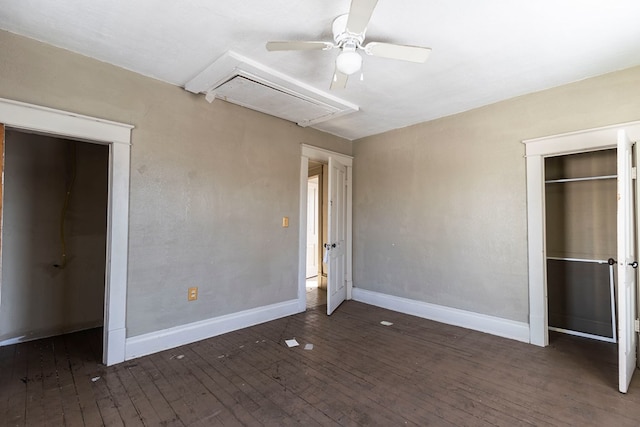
{"x": 348, "y": 62}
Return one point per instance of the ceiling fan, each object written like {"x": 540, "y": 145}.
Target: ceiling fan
{"x": 348, "y": 35}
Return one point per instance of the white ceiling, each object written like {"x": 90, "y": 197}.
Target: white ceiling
{"x": 483, "y": 51}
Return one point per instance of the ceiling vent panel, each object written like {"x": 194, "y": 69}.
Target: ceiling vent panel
{"x": 239, "y": 80}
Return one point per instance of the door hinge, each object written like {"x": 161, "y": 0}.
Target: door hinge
{"x": 634, "y": 172}
{"x": 636, "y": 325}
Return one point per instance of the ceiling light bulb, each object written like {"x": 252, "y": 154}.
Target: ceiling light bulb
{"x": 348, "y": 62}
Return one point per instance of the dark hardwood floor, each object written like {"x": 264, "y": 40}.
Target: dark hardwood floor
{"x": 315, "y": 295}
{"x": 359, "y": 372}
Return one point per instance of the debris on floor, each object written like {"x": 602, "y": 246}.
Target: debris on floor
{"x": 180, "y": 356}
{"x": 385, "y": 323}
{"x": 308, "y": 347}
{"x": 94, "y": 379}
{"x": 292, "y": 342}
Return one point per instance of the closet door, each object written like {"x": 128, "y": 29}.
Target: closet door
{"x": 627, "y": 337}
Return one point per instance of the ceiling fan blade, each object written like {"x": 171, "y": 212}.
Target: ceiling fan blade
{"x": 360, "y": 15}
{"x": 397, "y": 51}
{"x": 296, "y": 45}
{"x": 339, "y": 80}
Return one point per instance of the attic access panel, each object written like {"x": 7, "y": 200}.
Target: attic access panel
{"x": 240, "y": 80}
{"x": 261, "y": 97}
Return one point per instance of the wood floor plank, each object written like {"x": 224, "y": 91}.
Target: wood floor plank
{"x": 218, "y": 385}
{"x": 35, "y": 413}
{"x": 359, "y": 372}
{"x": 286, "y": 358}
{"x": 144, "y": 372}
{"x": 205, "y": 406}
{"x": 432, "y": 372}
{"x": 183, "y": 394}
{"x": 85, "y": 367}
{"x": 291, "y": 404}
{"x": 7, "y": 362}
{"x": 14, "y": 395}
{"x": 123, "y": 400}
{"x": 107, "y": 405}
{"x": 349, "y": 367}
{"x": 71, "y": 411}
{"x": 265, "y": 410}
{"x": 145, "y": 410}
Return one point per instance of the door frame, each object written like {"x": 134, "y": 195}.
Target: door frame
{"x": 536, "y": 150}
{"x": 33, "y": 118}
{"x": 317, "y": 154}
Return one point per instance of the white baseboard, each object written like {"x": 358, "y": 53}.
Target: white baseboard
{"x": 165, "y": 339}
{"x": 518, "y": 331}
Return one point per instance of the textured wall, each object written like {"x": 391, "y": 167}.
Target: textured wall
{"x": 210, "y": 184}
{"x": 440, "y": 207}
{"x": 39, "y": 299}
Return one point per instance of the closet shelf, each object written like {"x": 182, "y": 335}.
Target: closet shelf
{"x": 587, "y": 178}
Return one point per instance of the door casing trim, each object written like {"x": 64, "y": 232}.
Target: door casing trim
{"x": 536, "y": 150}
{"x": 317, "y": 154}
{"x": 38, "y": 119}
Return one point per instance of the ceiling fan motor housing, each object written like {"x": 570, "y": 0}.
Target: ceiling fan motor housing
{"x": 343, "y": 37}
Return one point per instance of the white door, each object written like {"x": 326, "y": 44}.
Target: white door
{"x": 312, "y": 227}
{"x": 626, "y": 258}
{"x": 336, "y": 245}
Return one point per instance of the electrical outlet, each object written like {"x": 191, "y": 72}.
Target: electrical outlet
{"x": 193, "y": 294}
{"x": 285, "y": 221}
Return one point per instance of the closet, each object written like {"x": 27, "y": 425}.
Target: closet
{"x": 580, "y": 207}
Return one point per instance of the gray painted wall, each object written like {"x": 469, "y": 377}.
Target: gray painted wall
{"x": 39, "y": 299}
{"x": 210, "y": 184}
{"x": 440, "y": 207}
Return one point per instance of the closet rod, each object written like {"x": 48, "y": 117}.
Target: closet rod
{"x": 588, "y": 178}
{"x": 595, "y": 261}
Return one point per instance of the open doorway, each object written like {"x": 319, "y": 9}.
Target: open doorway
{"x": 316, "y": 276}
{"x": 336, "y": 247}
{"x": 54, "y": 238}
{"x": 618, "y": 137}
{"x": 117, "y": 136}
{"x": 581, "y": 224}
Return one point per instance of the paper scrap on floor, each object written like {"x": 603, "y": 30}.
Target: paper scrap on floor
{"x": 292, "y": 342}
{"x": 385, "y": 323}
{"x": 308, "y": 347}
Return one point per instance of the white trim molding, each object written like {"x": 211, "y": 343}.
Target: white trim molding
{"x": 38, "y": 119}
{"x": 536, "y": 150}
{"x": 505, "y": 328}
{"x": 35, "y": 118}
{"x": 166, "y": 339}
